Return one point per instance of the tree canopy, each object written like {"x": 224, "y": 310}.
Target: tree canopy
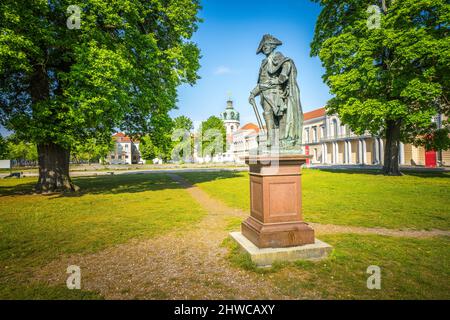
{"x": 183, "y": 122}
{"x": 19, "y": 150}
{"x": 213, "y": 136}
{"x": 4, "y": 152}
{"x": 163, "y": 145}
{"x": 61, "y": 85}
{"x": 387, "y": 63}
{"x": 92, "y": 151}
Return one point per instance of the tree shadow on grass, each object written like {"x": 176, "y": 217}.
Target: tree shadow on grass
{"x": 116, "y": 184}
{"x": 20, "y": 189}
{"x": 378, "y": 172}
{"x": 199, "y": 177}
{"x": 123, "y": 183}
{"x": 374, "y": 172}
{"x": 430, "y": 174}
{"x": 141, "y": 182}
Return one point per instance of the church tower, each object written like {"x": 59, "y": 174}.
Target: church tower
{"x": 230, "y": 118}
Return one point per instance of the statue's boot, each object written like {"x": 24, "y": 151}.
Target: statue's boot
{"x": 270, "y": 127}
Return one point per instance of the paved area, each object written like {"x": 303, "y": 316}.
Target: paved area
{"x": 333, "y": 229}
{"x": 119, "y": 172}
{"x": 169, "y": 169}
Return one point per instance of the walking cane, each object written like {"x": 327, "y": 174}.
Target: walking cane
{"x": 258, "y": 118}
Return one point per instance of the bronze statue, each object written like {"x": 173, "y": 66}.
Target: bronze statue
{"x": 280, "y": 97}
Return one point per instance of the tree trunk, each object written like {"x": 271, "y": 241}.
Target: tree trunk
{"x": 53, "y": 159}
{"x": 391, "y": 151}
{"x": 384, "y": 6}
{"x": 54, "y": 169}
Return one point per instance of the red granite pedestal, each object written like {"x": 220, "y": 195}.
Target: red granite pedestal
{"x": 276, "y": 203}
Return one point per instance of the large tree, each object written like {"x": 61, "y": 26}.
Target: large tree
{"x": 387, "y": 64}
{"x": 65, "y": 80}
{"x": 4, "y": 150}
{"x": 183, "y": 123}
{"x": 162, "y": 144}
{"x": 92, "y": 151}
{"x": 182, "y": 139}
{"x": 213, "y": 136}
{"x": 22, "y": 151}
{"x": 148, "y": 149}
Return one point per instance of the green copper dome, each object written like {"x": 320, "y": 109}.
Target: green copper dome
{"x": 230, "y": 114}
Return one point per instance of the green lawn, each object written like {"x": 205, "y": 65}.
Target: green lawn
{"x": 410, "y": 269}
{"x": 36, "y": 229}
{"x": 415, "y": 200}
{"x": 110, "y": 210}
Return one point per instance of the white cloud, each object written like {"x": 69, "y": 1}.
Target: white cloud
{"x": 222, "y": 70}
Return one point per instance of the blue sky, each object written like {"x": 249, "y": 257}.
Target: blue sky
{"x": 228, "y": 39}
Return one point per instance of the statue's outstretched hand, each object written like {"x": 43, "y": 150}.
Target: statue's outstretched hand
{"x": 251, "y": 99}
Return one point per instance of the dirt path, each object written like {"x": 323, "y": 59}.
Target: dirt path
{"x": 333, "y": 229}
{"x": 178, "y": 265}
{"x": 188, "y": 264}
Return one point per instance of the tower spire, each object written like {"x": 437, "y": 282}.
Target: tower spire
{"x": 230, "y": 117}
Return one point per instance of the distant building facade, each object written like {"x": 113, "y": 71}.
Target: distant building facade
{"x": 243, "y": 141}
{"x": 326, "y": 139}
{"x": 126, "y": 151}
{"x": 331, "y": 142}
{"x": 239, "y": 140}
{"x": 231, "y": 120}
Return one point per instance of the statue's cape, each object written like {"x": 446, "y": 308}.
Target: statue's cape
{"x": 294, "y": 113}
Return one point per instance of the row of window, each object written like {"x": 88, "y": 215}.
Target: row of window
{"x": 314, "y": 131}
{"x": 240, "y": 142}
{"x": 119, "y": 157}
{"x": 334, "y": 130}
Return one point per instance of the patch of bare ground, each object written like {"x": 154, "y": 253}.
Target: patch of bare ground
{"x": 188, "y": 264}
{"x": 333, "y": 229}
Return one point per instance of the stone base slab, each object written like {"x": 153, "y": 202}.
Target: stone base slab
{"x": 264, "y": 257}
{"x": 277, "y": 235}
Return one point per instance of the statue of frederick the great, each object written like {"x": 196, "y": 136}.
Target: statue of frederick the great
{"x": 275, "y": 181}
{"x": 280, "y": 97}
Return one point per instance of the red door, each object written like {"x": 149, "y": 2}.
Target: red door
{"x": 430, "y": 159}
{"x": 308, "y": 161}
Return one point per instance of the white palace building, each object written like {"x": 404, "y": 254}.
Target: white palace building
{"x": 328, "y": 141}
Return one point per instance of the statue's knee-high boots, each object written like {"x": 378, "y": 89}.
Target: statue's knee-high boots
{"x": 270, "y": 128}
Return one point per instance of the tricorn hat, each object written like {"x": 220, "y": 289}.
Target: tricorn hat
{"x": 268, "y": 39}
